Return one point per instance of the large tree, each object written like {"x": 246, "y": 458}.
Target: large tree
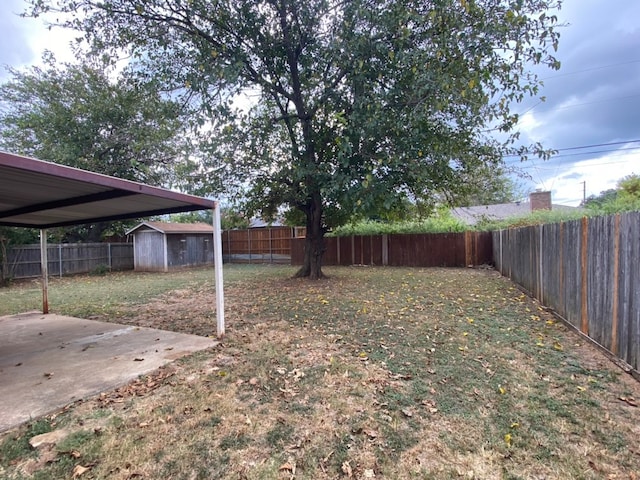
{"x": 86, "y": 116}
{"x": 336, "y": 107}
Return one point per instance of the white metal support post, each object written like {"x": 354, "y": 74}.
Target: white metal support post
{"x": 217, "y": 261}
{"x": 44, "y": 266}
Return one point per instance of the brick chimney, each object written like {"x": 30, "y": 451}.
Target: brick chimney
{"x": 540, "y": 200}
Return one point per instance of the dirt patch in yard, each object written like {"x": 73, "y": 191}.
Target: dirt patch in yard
{"x": 373, "y": 373}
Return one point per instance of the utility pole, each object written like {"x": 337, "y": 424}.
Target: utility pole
{"x": 584, "y": 192}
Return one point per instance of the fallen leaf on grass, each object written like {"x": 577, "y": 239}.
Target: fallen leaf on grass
{"x": 431, "y": 406}
{"x": 347, "y": 470}
{"x": 507, "y": 439}
{"x": 79, "y": 470}
{"x": 629, "y": 401}
{"x": 372, "y": 434}
{"x": 368, "y": 473}
{"x": 289, "y": 467}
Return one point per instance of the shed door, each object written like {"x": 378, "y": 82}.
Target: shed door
{"x": 149, "y": 254}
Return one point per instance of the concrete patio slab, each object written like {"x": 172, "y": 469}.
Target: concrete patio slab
{"x": 49, "y": 361}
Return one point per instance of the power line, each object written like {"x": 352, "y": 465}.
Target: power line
{"x": 576, "y": 72}
{"x": 604, "y": 100}
{"x": 598, "y": 145}
{"x": 594, "y": 152}
{"x": 595, "y": 145}
{"x": 554, "y": 167}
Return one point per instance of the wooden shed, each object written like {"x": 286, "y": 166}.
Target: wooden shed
{"x": 162, "y": 246}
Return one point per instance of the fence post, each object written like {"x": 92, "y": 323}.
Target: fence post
{"x": 561, "y": 279}
{"x": 467, "y": 249}
{"x": 371, "y": 250}
{"x": 510, "y": 246}
{"x": 60, "y": 259}
{"x": 501, "y": 269}
{"x": 540, "y": 265}
{"x": 616, "y": 281}
{"x": 353, "y": 250}
{"x": 584, "y": 325}
{"x": 270, "y": 246}
{"x": 109, "y": 256}
{"x": 385, "y": 250}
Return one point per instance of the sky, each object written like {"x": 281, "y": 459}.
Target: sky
{"x": 591, "y": 115}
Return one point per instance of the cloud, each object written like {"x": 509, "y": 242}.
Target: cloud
{"x": 14, "y": 42}
{"x": 593, "y": 99}
{"x": 23, "y": 40}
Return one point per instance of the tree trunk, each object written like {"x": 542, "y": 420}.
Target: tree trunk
{"x": 314, "y": 241}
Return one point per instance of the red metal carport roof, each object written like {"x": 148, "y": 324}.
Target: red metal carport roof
{"x": 39, "y": 194}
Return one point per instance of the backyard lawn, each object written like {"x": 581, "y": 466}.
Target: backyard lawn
{"x": 373, "y": 373}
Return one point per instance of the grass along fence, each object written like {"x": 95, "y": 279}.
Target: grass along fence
{"x": 69, "y": 258}
{"x": 587, "y": 271}
{"x": 404, "y": 250}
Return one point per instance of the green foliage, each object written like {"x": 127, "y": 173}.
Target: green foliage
{"x": 488, "y": 186}
{"x": 232, "y": 218}
{"x": 596, "y": 202}
{"x": 15, "y": 446}
{"x": 442, "y": 222}
{"x": 101, "y": 270}
{"x": 74, "y": 114}
{"x": 625, "y": 198}
{"x": 83, "y": 116}
{"x": 203, "y": 216}
{"x": 339, "y": 109}
{"x": 537, "y": 217}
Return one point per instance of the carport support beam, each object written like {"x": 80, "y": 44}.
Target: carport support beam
{"x": 217, "y": 261}
{"x": 44, "y": 267}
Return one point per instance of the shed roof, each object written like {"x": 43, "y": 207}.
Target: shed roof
{"x": 39, "y": 194}
{"x": 177, "y": 228}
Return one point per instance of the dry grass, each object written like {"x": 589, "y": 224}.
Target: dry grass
{"x": 373, "y": 373}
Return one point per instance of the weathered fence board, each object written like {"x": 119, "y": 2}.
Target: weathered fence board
{"x": 586, "y": 270}
{"x": 629, "y": 289}
{"x": 409, "y": 250}
{"x": 69, "y": 258}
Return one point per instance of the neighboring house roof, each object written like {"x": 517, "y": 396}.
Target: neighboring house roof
{"x": 260, "y": 223}
{"x": 501, "y": 211}
{"x": 177, "y": 228}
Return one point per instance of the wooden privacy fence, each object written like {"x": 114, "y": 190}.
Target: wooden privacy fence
{"x": 587, "y": 271}
{"x": 404, "y": 250}
{"x": 258, "y": 245}
{"x": 69, "y": 258}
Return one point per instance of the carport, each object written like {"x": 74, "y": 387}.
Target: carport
{"x": 38, "y": 194}
{"x": 47, "y": 360}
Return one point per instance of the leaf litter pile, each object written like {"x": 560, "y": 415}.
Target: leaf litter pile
{"x": 372, "y": 373}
